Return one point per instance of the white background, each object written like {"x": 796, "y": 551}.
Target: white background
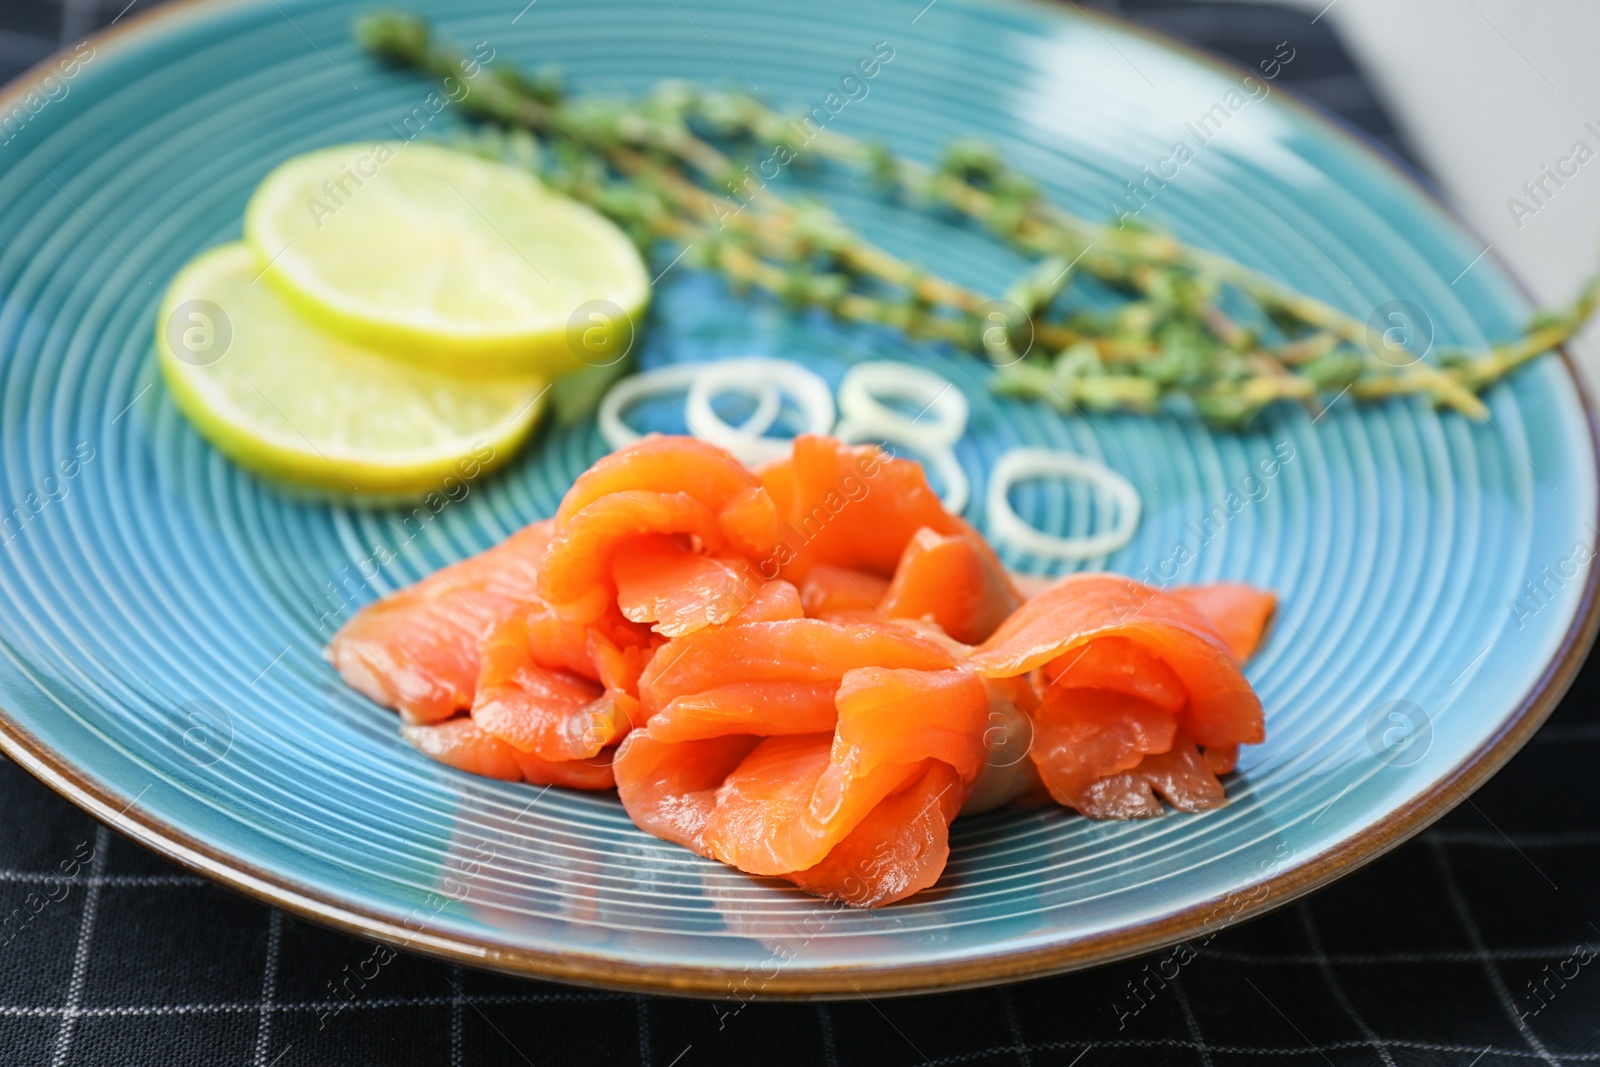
{"x": 1485, "y": 92}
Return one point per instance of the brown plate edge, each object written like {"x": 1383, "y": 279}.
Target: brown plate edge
{"x": 193, "y": 854}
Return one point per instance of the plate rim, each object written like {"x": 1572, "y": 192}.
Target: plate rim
{"x": 280, "y": 891}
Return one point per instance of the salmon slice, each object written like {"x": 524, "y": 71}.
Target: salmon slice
{"x": 1008, "y": 775}
{"x": 670, "y": 790}
{"x": 898, "y": 849}
{"x": 659, "y": 580}
{"x": 750, "y": 523}
{"x": 1134, "y": 678}
{"x": 1180, "y": 776}
{"x": 550, "y": 712}
{"x": 831, "y": 592}
{"x": 953, "y": 581}
{"x": 761, "y": 708}
{"x": 1120, "y": 665}
{"x": 1222, "y": 759}
{"x": 767, "y": 818}
{"x": 1239, "y": 611}
{"x": 848, "y": 505}
{"x": 900, "y": 716}
{"x": 773, "y": 602}
{"x": 575, "y": 572}
{"x": 791, "y": 650}
{"x": 1222, "y": 709}
{"x": 417, "y": 650}
{"x": 793, "y": 797}
{"x": 459, "y": 743}
{"x": 661, "y": 464}
{"x": 1081, "y": 735}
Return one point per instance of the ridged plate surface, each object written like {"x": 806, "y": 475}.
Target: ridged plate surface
{"x": 162, "y": 613}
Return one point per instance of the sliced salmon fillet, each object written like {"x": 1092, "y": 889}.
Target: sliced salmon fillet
{"x": 1180, "y": 776}
{"x": 550, "y": 712}
{"x": 830, "y": 592}
{"x": 899, "y": 847}
{"x": 1120, "y": 665}
{"x": 1239, "y": 611}
{"x": 461, "y": 744}
{"x": 575, "y": 571}
{"x": 767, "y": 819}
{"x": 1222, "y": 709}
{"x": 661, "y": 464}
{"x": 791, "y": 650}
{"x": 660, "y": 580}
{"x": 808, "y": 672}
{"x": 760, "y": 708}
{"x": 954, "y": 580}
{"x": 1081, "y": 735}
{"x": 854, "y": 713}
{"x": 1136, "y": 681}
{"x": 670, "y": 789}
{"x": 891, "y": 715}
{"x": 849, "y": 505}
{"x": 772, "y": 602}
{"x": 794, "y": 798}
{"x": 1008, "y": 775}
{"x": 750, "y": 523}
{"x": 417, "y": 650}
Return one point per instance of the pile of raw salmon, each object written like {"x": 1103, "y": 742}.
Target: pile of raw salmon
{"x": 808, "y": 670}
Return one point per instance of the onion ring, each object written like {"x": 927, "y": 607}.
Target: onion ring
{"x": 938, "y": 397}
{"x": 806, "y": 388}
{"x": 1021, "y": 463}
{"x": 635, "y": 387}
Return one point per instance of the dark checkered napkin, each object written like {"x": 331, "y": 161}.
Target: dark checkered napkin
{"x": 1474, "y": 945}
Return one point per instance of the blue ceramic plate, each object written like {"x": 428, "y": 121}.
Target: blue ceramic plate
{"x": 162, "y": 612}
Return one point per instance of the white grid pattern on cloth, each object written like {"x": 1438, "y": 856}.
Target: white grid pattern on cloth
{"x": 1008, "y": 1009}
{"x": 269, "y": 986}
{"x": 830, "y": 1052}
{"x": 264, "y": 1013}
{"x": 70, "y": 1009}
{"x": 1309, "y": 925}
{"x": 1458, "y": 902}
{"x": 1191, "y": 1022}
{"x": 458, "y": 1016}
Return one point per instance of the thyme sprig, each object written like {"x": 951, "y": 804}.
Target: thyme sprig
{"x": 674, "y": 166}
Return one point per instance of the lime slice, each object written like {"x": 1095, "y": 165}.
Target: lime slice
{"x": 450, "y": 260}
{"x": 290, "y": 401}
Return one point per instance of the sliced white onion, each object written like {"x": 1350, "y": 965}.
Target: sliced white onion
{"x": 957, "y": 489}
{"x": 807, "y": 390}
{"x": 1024, "y": 463}
{"x": 942, "y": 409}
{"x": 676, "y": 377}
